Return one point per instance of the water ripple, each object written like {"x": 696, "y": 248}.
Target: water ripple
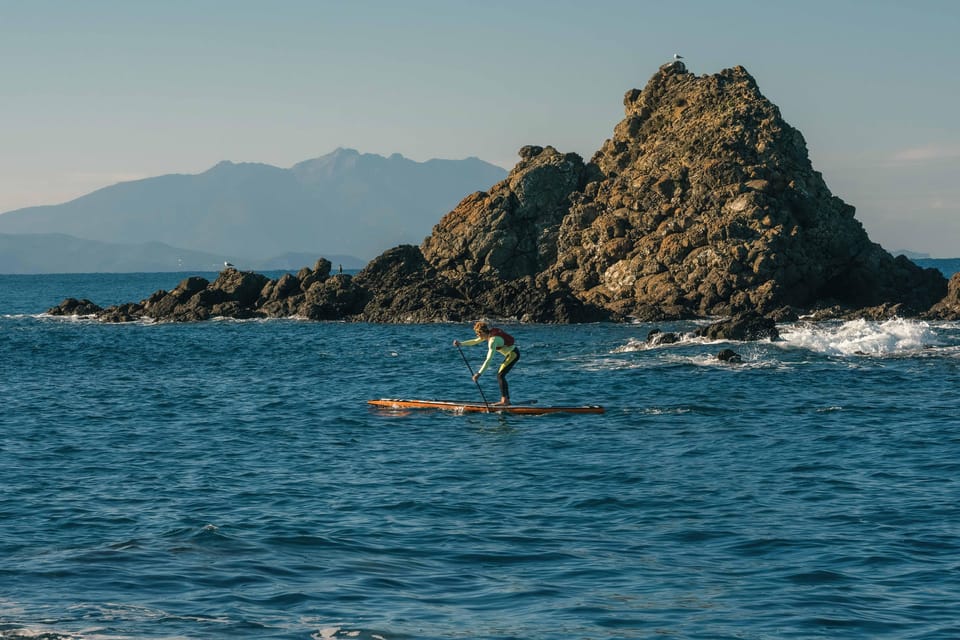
{"x": 227, "y": 480}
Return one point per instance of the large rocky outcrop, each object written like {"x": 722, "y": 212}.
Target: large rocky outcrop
{"x": 709, "y": 206}
{"x": 703, "y": 203}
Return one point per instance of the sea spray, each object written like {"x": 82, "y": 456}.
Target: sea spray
{"x": 861, "y": 337}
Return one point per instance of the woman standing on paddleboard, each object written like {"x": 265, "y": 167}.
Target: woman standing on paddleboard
{"x": 500, "y": 341}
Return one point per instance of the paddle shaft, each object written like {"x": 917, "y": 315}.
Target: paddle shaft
{"x": 469, "y": 368}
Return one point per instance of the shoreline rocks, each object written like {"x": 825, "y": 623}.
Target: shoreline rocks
{"x": 703, "y": 203}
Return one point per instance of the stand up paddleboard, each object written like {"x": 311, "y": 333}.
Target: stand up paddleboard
{"x": 480, "y": 407}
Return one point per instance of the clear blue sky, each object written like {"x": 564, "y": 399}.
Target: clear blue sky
{"x": 94, "y": 92}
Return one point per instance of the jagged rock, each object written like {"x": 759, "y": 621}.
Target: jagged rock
{"x": 127, "y": 312}
{"x": 319, "y": 273}
{"x": 708, "y": 203}
{"x": 402, "y": 286}
{"x": 233, "y": 294}
{"x": 242, "y": 287}
{"x": 729, "y": 355}
{"x": 949, "y": 307}
{"x": 286, "y": 286}
{"x": 784, "y": 314}
{"x": 525, "y": 301}
{"x": 510, "y": 232}
{"x": 229, "y": 309}
{"x": 74, "y": 307}
{"x": 335, "y": 298}
{"x": 744, "y": 326}
{"x": 189, "y": 301}
{"x": 656, "y": 337}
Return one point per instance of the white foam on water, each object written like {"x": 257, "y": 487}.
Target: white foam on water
{"x": 861, "y": 337}
{"x": 638, "y": 344}
{"x": 337, "y": 633}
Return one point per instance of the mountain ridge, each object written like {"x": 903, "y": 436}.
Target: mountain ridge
{"x": 345, "y": 203}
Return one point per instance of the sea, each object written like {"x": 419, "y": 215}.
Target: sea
{"x": 228, "y": 479}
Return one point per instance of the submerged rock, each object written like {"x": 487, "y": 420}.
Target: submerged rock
{"x": 742, "y": 327}
{"x": 729, "y": 355}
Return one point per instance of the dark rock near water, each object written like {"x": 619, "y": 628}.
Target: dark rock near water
{"x": 703, "y": 203}
{"x": 949, "y": 307}
{"x": 74, "y": 307}
{"x": 404, "y": 287}
{"x": 126, "y": 312}
{"x": 749, "y": 325}
{"x": 729, "y": 355}
{"x": 656, "y": 337}
{"x": 312, "y": 294}
{"x": 511, "y": 231}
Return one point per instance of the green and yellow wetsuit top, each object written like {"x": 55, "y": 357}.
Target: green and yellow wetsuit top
{"x": 495, "y": 344}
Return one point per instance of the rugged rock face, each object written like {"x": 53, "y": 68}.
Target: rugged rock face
{"x": 749, "y": 325}
{"x": 405, "y": 287}
{"x": 949, "y": 307}
{"x": 74, "y": 307}
{"x": 510, "y": 232}
{"x": 709, "y": 206}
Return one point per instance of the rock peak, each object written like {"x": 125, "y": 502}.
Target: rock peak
{"x": 675, "y": 67}
{"x": 709, "y": 205}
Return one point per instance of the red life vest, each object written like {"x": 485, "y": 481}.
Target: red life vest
{"x": 507, "y": 338}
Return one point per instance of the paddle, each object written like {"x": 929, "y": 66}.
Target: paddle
{"x": 467, "y": 362}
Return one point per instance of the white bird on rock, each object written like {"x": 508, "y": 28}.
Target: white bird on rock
{"x": 677, "y": 56}
{"x": 228, "y": 265}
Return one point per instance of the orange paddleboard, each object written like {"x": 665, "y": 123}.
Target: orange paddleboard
{"x": 479, "y": 407}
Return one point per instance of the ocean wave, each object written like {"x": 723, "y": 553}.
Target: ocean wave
{"x": 862, "y": 337}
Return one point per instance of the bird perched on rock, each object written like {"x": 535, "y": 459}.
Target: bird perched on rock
{"x": 677, "y": 56}
{"x": 228, "y": 265}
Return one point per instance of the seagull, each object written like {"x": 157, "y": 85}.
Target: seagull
{"x": 228, "y": 265}
{"x": 677, "y": 56}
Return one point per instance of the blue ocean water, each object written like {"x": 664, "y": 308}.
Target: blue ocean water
{"x": 227, "y": 480}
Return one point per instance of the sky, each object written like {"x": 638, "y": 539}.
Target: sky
{"x": 96, "y": 92}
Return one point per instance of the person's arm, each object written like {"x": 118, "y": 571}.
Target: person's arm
{"x": 468, "y": 343}
{"x": 492, "y": 344}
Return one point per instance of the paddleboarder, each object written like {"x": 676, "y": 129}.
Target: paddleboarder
{"x": 498, "y": 341}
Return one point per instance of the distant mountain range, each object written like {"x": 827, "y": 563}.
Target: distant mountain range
{"x": 346, "y": 206}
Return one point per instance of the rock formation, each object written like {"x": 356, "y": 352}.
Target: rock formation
{"x": 709, "y": 206}
{"x": 510, "y": 232}
{"x": 730, "y": 356}
{"x": 748, "y": 325}
{"x": 949, "y": 307}
{"x": 703, "y": 203}
{"x": 312, "y": 293}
